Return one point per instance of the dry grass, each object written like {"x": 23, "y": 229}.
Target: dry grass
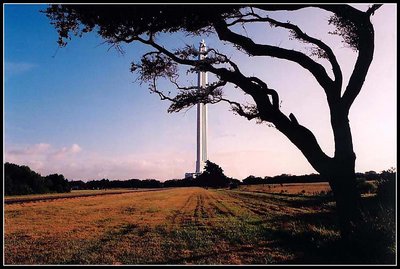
{"x": 74, "y": 193}
{"x": 291, "y": 188}
{"x": 171, "y": 226}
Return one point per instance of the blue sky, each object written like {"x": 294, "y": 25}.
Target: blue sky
{"x": 79, "y": 111}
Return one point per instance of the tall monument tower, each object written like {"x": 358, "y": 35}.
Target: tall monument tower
{"x": 201, "y": 118}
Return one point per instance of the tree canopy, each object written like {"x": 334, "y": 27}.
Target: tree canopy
{"x": 141, "y": 23}
{"x": 20, "y": 180}
{"x": 213, "y": 176}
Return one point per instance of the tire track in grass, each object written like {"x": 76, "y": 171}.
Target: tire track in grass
{"x": 207, "y": 209}
{"x": 181, "y": 215}
{"x": 259, "y": 208}
{"x": 219, "y": 206}
{"x": 236, "y": 228}
{"x": 265, "y": 204}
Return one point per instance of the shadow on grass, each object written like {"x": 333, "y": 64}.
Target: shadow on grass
{"x": 312, "y": 248}
{"x": 291, "y": 200}
{"x": 298, "y": 200}
{"x": 314, "y": 237}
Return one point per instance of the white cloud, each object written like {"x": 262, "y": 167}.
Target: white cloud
{"x": 36, "y": 149}
{"x": 75, "y": 148}
{"x": 65, "y": 152}
{"x": 41, "y": 156}
{"x": 77, "y": 164}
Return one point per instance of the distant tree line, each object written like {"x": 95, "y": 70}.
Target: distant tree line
{"x": 310, "y": 178}
{"x": 21, "y": 180}
{"x": 284, "y": 178}
{"x": 213, "y": 177}
{"x": 112, "y": 184}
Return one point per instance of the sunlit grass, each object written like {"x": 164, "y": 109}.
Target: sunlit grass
{"x": 173, "y": 226}
{"x": 290, "y": 188}
{"x": 73, "y": 193}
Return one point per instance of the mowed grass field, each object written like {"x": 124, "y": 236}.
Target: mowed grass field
{"x": 72, "y": 194}
{"x": 249, "y": 225}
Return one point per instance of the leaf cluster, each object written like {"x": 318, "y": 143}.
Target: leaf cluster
{"x": 121, "y": 22}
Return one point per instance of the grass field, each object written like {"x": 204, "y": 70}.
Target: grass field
{"x": 73, "y": 194}
{"x": 249, "y": 225}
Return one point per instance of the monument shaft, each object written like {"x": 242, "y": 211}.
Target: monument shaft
{"x": 201, "y": 119}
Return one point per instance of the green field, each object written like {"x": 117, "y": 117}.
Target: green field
{"x": 177, "y": 226}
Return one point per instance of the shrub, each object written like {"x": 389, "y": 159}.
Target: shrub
{"x": 364, "y": 186}
{"x": 386, "y": 191}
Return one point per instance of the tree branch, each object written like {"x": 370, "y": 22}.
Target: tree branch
{"x": 279, "y": 7}
{"x": 301, "y": 35}
{"x": 274, "y": 95}
{"x": 371, "y": 10}
{"x": 235, "y": 77}
{"x": 265, "y": 110}
{"x": 250, "y": 85}
{"x": 363, "y": 62}
{"x": 305, "y": 140}
{"x": 342, "y": 10}
{"x": 266, "y": 50}
{"x": 250, "y": 112}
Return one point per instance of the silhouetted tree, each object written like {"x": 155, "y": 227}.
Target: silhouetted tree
{"x": 213, "y": 169}
{"x": 185, "y": 182}
{"x": 213, "y": 176}
{"x": 21, "y": 180}
{"x": 134, "y": 183}
{"x": 386, "y": 191}
{"x": 141, "y": 23}
{"x": 57, "y": 183}
{"x": 77, "y": 185}
{"x": 151, "y": 183}
{"x": 234, "y": 183}
{"x": 371, "y": 175}
{"x": 253, "y": 180}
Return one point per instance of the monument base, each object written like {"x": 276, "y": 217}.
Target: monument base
{"x": 192, "y": 175}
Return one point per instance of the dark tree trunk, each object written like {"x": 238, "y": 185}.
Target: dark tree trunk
{"x": 347, "y": 200}
{"x": 340, "y": 170}
{"x": 341, "y": 175}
